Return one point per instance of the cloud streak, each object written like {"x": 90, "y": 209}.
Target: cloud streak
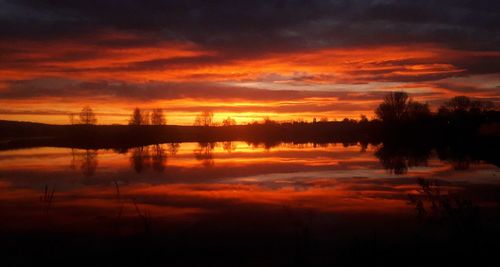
{"x": 251, "y": 54}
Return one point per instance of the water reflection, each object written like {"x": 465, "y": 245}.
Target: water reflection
{"x": 229, "y": 146}
{"x": 311, "y": 195}
{"x": 267, "y": 145}
{"x": 86, "y": 160}
{"x": 145, "y": 157}
{"x": 173, "y": 148}
{"x": 398, "y": 159}
{"x": 159, "y": 158}
{"x": 204, "y": 153}
{"x": 89, "y": 162}
{"x": 140, "y": 158}
{"x": 460, "y": 157}
{"x": 47, "y": 199}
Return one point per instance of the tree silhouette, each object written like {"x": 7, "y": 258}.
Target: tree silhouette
{"x": 204, "y": 119}
{"x": 228, "y": 121}
{"x": 398, "y": 107}
{"x": 461, "y": 104}
{"x": 139, "y": 117}
{"x": 157, "y": 117}
{"x": 458, "y": 103}
{"x": 418, "y": 111}
{"x": 268, "y": 121}
{"x": 71, "y": 117}
{"x": 394, "y": 108}
{"x": 87, "y": 116}
{"x": 483, "y": 106}
{"x": 145, "y": 118}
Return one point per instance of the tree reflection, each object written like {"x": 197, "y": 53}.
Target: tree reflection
{"x": 140, "y": 158}
{"x": 145, "y": 157}
{"x": 159, "y": 158}
{"x": 204, "y": 153}
{"x": 267, "y": 145}
{"x": 173, "y": 148}
{"x": 229, "y": 146}
{"x": 87, "y": 161}
{"x": 460, "y": 157}
{"x": 397, "y": 158}
{"x": 74, "y": 159}
{"x": 363, "y": 146}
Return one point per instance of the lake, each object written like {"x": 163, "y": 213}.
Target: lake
{"x": 238, "y": 203}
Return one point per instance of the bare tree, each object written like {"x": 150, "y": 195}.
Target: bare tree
{"x": 458, "y": 103}
{"x": 228, "y": 122}
{"x": 146, "y": 118}
{"x": 87, "y": 116}
{"x": 486, "y": 105}
{"x": 465, "y": 104}
{"x": 418, "y": 110}
{"x": 363, "y": 118}
{"x": 398, "y": 106}
{"x": 137, "y": 117}
{"x": 204, "y": 119}
{"x": 268, "y": 120}
{"x": 394, "y": 107}
{"x": 71, "y": 117}
{"x": 157, "y": 117}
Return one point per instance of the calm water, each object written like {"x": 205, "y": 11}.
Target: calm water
{"x": 289, "y": 203}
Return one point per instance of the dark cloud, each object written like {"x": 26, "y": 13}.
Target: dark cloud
{"x": 236, "y": 30}
{"x": 282, "y": 108}
{"x": 151, "y": 91}
{"x": 478, "y": 64}
{"x": 87, "y": 42}
{"x": 263, "y": 25}
{"x": 286, "y": 108}
{"x": 171, "y": 63}
{"x": 468, "y": 88}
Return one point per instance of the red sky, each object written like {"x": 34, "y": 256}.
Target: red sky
{"x": 248, "y": 61}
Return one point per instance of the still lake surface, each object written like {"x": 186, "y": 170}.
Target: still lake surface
{"x": 285, "y": 204}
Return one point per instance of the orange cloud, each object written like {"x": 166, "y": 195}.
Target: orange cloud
{"x": 113, "y": 72}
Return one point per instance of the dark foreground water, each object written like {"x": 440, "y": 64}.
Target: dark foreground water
{"x": 238, "y": 204}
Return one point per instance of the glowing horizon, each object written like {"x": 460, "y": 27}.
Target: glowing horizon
{"x": 311, "y": 68}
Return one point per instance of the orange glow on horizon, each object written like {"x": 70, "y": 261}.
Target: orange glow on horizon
{"x": 375, "y": 68}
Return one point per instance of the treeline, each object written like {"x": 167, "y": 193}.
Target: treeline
{"x": 399, "y": 119}
{"x": 397, "y": 113}
{"x": 458, "y": 117}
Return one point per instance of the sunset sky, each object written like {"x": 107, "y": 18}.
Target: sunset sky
{"x": 245, "y": 59}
